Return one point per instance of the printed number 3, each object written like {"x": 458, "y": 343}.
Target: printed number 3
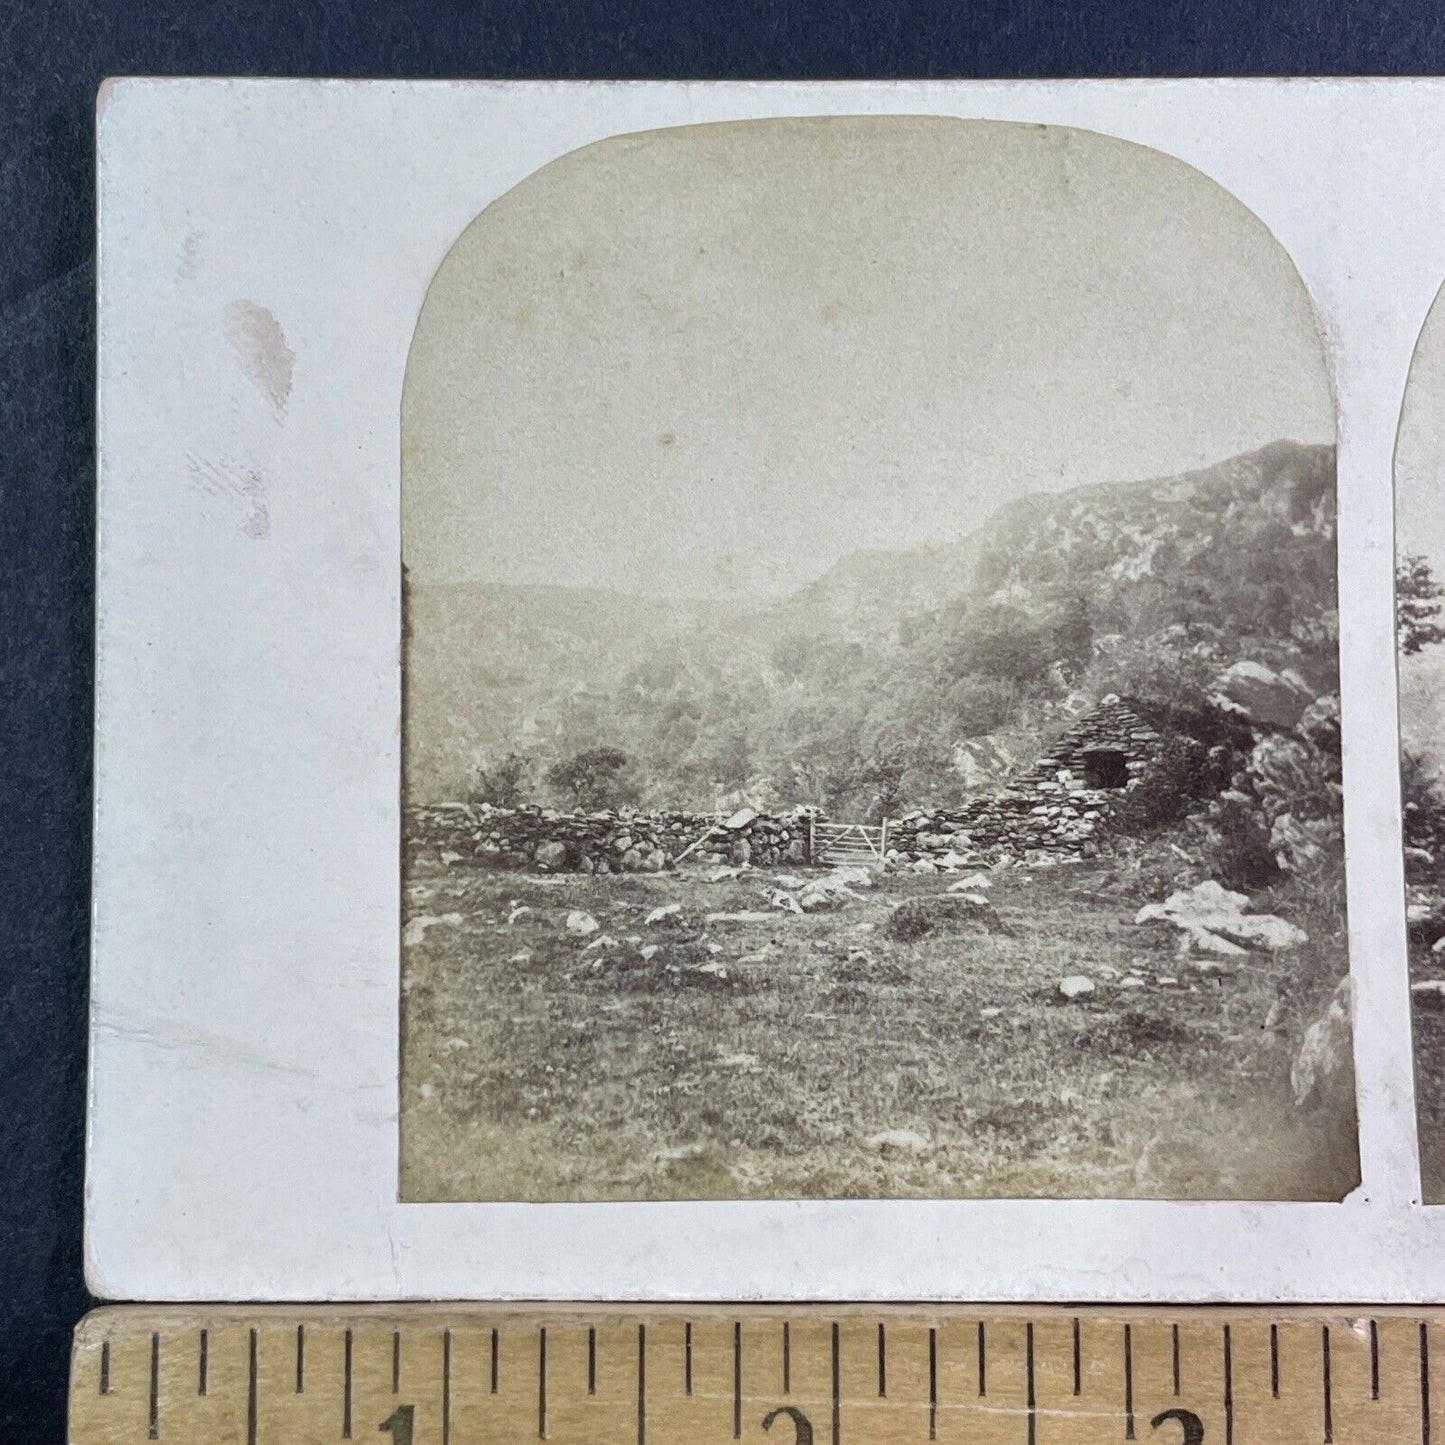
{"x": 1188, "y": 1422}
{"x": 399, "y": 1424}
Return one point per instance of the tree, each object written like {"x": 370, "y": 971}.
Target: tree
{"x": 884, "y": 772}
{"x": 1417, "y": 605}
{"x": 507, "y": 785}
{"x": 594, "y": 778}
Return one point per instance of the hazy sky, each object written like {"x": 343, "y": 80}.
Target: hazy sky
{"x": 716, "y": 359}
{"x": 1420, "y": 526}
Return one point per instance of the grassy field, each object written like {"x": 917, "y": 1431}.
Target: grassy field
{"x": 820, "y": 1056}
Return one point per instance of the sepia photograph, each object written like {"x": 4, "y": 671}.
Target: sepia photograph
{"x": 1420, "y": 627}
{"x": 870, "y": 682}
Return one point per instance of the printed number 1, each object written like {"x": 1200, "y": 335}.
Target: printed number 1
{"x": 399, "y": 1424}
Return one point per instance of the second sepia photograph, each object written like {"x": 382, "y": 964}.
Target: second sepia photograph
{"x": 870, "y": 681}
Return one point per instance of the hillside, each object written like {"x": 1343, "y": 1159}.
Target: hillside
{"x": 892, "y": 674}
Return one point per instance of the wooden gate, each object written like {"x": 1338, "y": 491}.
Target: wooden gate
{"x": 836, "y": 843}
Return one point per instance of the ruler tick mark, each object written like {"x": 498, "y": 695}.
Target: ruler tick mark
{"x": 1128, "y": 1382}
{"x": 494, "y": 1362}
{"x": 346, "y": 1389}
{"x": 203, "y": 1362}
{"x": 446, "y": 1387}
{"x": 737, "y": 1380}
{"x": 1374, "y": 1360}
{"x": 1228, "y": 1389}
{"x": 105, "y": 1367}
{"x": 300, "y": 1359}
{"x": 1424, "y": 1383}
{"x": 1329, "y": 1410}
{"x": 787, "y": 1360}
{"x": 1174, "y": 1360}
{"x": 251, "y": 1393}
{"x": 882, "y": 1363}
{"x": 1274, "y": 1362}
{"x": 592, "y": 1360}
{"x": 687, "y": 1358}
{"x": 1030, "y": 1398}
{"x": 153, "y": 1430}
{"x": 837, "y": 1403}
{"x": 933, "y": 1382}
{"x": 982, "y": 1359}
{"x": 642, "y": 1381}
{"x": 542, "y": 1383}
{"x": 395, "y": 1361}
{"x": 1078, "y": 1358}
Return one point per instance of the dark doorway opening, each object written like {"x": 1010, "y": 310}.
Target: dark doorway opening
{"x": 1106, "y": 768}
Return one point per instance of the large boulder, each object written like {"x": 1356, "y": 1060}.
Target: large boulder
{"x": 1210, "y": 914}
{"x": 1265, "y": 695}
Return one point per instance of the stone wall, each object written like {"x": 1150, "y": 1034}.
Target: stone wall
{"x": 1053, "y": 809}
{"x": 603, "y": 842}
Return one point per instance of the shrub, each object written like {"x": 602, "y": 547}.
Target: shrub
{"x": 595, "y": 778}
{"x": 1179, "y": 777}
{"x": 1424, "y": 819}
{"x": 1242, "y": 856}
{"x": 507, "y": 785}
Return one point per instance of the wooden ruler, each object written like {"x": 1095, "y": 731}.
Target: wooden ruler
{"x": 767, "y": 1375}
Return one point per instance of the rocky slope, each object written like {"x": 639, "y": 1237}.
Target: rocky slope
{"x": 1219, "y": 581}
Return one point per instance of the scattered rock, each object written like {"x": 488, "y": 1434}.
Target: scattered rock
{"x": 416, "y": 928}
{"x": 1131, "y": 981}
{"x": 551, "y": 855}
{"x": 1324, "y": 1051}
{"x": 1429, "y": 992}
{"x": 666, "y": 910}
{"x": 603, "y": 940}
{"x": 581, "y": 923}
{"x": 905, "y": 1139}
{"x": 992, "y": 1012}
{"x": 1076, "y": 985}
{"x": 649, "y": 951}
{"x": 824, "y": 893}
{"x": 787, "y": 880}
{"x": 746, "y": 915}
{"x": 518, "y": 909}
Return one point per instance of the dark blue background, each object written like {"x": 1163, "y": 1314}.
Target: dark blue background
{"x": 52, "y": 57}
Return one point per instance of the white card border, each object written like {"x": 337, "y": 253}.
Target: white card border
{"x": 242, "y": 1125}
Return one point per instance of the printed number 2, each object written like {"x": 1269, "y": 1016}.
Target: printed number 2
{"x": 802, "y": 1426}
{"x": 1188, "y": 1422}
{"x": 399, "y": 1424}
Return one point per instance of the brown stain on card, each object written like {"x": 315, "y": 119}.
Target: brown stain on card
{"x": 260, "y": 346}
